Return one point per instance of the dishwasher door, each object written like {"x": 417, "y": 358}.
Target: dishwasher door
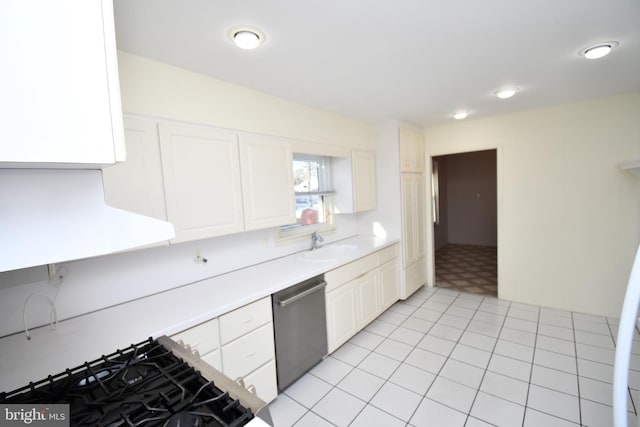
{"x": 300, "y": 326}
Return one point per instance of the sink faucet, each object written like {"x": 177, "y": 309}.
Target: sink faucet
{"x": 315, "y": 238}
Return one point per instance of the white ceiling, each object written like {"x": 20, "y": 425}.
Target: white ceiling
{"x": 414, "y": 60}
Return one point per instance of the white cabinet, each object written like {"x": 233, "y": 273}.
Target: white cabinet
{"x": 354, "y": 180}
{"x": 267, "y": 181}
{"x": 248, "y": 348}
{"x": 203, "y": 338}
{"x": 202, "y": 180}
{"x": 137, "y": 185}
{"x": 342, "y": 317}
{"x": 240, "y": 344}
{"x": 413, "y": 231}
{"x": 388, "y": 277}
{"x": 411, "y": 150}
{"x": 248, "y": 352}
{"x": 368, "y": 297}
{"x": 364, "y": 180}
{"x": 60, "y": 100}
{"x": 359, "y": 292}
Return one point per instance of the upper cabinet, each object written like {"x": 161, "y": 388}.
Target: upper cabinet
{"x": 137, "y": 185}
{"x": 203, "y": 189}
{"x": 60, "y": 102}
{"x": 411, "y": 150}
{"x": 354, "y": 180}
{"x": 267, "y": 181}
{"x": 364, "y": 180}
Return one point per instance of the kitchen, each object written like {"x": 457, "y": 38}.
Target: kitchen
{"x": 149, "y": 89}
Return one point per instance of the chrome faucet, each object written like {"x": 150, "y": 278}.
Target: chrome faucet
{"x": 315, "y": 238}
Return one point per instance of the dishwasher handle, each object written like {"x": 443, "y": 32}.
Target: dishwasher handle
{"x": 296, "y": 297}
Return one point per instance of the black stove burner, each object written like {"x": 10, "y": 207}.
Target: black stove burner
{"x": 144, "y": 385}
{"x": 184, "y": 419}
{"x": 134, "y": 374}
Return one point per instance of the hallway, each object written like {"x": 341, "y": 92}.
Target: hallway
{"x": 468, "y": 268}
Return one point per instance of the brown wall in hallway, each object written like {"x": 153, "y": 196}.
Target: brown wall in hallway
{"x": 469, "y": 185}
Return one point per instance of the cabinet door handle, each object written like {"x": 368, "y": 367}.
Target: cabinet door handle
{"x": 250, "y": 355}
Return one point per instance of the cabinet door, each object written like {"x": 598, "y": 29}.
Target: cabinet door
{"x": 411, "y": 151}
{"x": 202, "y": 180}
{"x": 137, "y": 185}
{"x": 60, "y": 98}
{"x": 267, "y": 181}
{"x": 364, "y": 180}
{"x": 342, "y": 318}
{"x": 409, "y": 219}
{"x": 368, "y": 298}
{"x": 413, "y": 217}
{"x": 420, "y": 223}
{"x": 388, "y": 284}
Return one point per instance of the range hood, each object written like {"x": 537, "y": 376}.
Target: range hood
{"x": 55, "y": 215}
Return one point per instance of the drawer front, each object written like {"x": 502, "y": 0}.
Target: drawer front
{"x": 244, "y": 319}
{"x": 202, "y": 337}
{"x": 246, "y": 354}
{"x": 387, "y": 254}
{"x": 341, "y": 275}
{"x": 213, "y": 359}
{"x": 265, "y": 381}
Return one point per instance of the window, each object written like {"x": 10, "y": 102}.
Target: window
{"x": 313, "y": 191}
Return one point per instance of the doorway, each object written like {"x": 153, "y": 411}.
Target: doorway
{"x": 465, "y": 221}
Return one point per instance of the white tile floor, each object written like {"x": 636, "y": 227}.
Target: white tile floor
{"x": 444, "y": 358}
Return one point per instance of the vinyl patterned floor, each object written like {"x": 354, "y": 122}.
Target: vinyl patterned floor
{"x": 447, "y": 358}
{"x": 468, "y": 268}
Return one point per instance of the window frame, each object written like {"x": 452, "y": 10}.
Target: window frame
{"x": 291, "y": 231}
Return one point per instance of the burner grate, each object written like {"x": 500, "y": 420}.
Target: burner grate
{"x": 142, "y": 385}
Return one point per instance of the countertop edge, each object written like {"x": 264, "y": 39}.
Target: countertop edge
{"x": 86, "y": 337}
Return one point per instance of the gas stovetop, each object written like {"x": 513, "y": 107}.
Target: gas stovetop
{"x": 143, "y": 385}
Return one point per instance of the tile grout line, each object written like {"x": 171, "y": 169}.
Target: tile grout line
{"x": 386, "y": 380}
{"x": 484, "y": 372}
{"x": 575, "y": 345}
{"x": 533, "y": 358}
{"x": 367, "y": 403}
{"x": 478, "y": 301}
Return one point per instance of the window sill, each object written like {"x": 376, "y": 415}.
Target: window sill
{"x": 301, "y": 233}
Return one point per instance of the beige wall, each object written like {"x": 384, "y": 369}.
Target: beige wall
{"x": 155, "y": 89}
{"x": 568, "y": 218}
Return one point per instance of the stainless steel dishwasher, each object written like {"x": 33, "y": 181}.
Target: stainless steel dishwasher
{"x": 300, "y": 326}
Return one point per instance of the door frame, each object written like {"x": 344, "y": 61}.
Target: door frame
{"x": 429, "y": 155}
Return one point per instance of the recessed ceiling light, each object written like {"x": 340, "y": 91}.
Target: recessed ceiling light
{"x": 246, "y": 38}
{"x": 598, "y": 50}
{"x": 460, "y": 115}
{"x": 506, "y": 93}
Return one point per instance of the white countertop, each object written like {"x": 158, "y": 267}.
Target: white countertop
{"x": 89, "y": 336}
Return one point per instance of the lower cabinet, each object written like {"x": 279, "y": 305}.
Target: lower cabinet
{"x": 359, "y": 292}
{"x": 240, "y": 345}
{"x": 342, "y": 321}
{"x": 388, "y": 275}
